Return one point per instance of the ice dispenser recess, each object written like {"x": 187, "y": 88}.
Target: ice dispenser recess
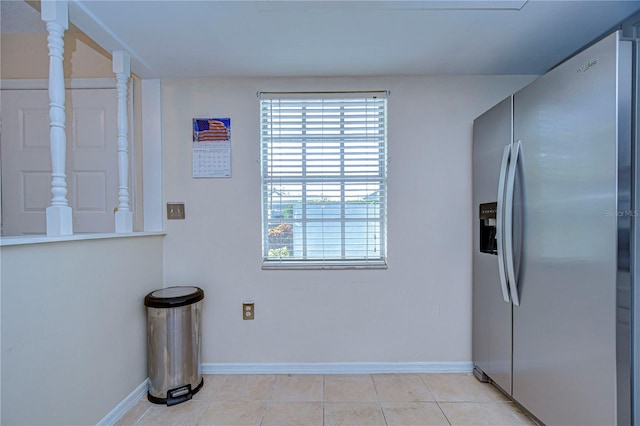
{"x": 488, "y": 243}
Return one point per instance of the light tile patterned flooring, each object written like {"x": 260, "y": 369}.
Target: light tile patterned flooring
{"x": 364, "y": 399}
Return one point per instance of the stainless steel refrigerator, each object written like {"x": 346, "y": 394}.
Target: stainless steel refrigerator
{"x": 552, "y": 281}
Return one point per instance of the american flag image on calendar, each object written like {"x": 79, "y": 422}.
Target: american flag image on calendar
{"x": 211, "y": 129}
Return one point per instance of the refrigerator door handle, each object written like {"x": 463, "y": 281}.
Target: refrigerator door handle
{"x": 500, "y": 223}
{"x": 508, "y": 223}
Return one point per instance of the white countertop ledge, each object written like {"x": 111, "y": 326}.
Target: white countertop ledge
{"x": 40, "y": 239}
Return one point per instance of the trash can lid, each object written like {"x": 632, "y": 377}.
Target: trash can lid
{"x": 173, "y": 297}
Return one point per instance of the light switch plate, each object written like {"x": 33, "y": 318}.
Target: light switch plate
{"x": 175, "y": 211}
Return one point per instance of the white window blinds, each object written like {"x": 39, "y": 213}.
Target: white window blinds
{"x": 324, "y": 180}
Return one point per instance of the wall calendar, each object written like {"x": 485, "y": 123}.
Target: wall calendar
{"x": 211, "y": 147}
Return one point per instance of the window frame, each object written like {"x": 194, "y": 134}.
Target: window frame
{"x": 379, "y": 181}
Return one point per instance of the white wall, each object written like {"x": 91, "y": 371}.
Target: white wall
{"x": 418, "y": 310}
{"x": 74, "y": 327}
{"x": 83, "y": 58}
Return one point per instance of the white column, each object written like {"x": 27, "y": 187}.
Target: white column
{"x": 122, "y": 69}
{"x": 59, "y": 214}
{"x": 152, "y": 155}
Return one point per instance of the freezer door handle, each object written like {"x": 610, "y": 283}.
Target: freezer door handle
{"x": 508, "y": 223}
{"x": 500, "y": 222}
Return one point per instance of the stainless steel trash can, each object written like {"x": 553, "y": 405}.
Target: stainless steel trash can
{"x": 173, "y": 342}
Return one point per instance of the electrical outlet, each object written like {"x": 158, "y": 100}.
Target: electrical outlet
{"x": 175, "y": 210}
{"x": 248, "y": 311}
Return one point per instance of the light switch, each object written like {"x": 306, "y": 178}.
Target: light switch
{"x": 175, "y": 211}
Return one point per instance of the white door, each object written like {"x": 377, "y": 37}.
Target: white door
{"x": 91, "y": 169}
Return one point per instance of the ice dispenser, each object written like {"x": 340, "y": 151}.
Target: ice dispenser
{"x": 488, "y": 243}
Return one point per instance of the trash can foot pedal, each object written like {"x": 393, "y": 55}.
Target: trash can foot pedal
{"x": 178, "y": 395}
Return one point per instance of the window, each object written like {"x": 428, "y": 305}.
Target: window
{"x": 324, "y": 180}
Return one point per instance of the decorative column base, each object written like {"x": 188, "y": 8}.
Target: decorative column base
{"x": 59, "y": 221}
{"x": 124, "y": 222}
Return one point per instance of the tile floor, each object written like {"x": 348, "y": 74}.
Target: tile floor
{"x": 367, "y": 399}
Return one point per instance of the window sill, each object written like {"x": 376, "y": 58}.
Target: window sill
{"x": 275, "y": 265}
{"x": 41, "y": 239}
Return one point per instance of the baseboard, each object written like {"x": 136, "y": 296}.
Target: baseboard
{"x": 337, "y": 367}
{"x": 126, "y": 404}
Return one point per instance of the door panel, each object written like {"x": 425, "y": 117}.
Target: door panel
{"x": 93, "y": 145}
{"x": 26, "y": 162}
{"x": 91, "y": 160}
{"x": 491, "y": 314}
{"x": 564, "y": 344}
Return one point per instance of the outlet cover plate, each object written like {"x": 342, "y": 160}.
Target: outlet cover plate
{"x": 175, "y": 211}
{"x": 248, "y": 311}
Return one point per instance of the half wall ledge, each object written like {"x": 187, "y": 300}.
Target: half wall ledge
{"x": 41, "y": 239}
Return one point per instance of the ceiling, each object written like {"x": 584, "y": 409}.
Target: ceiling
{"x": 191, "y": 39}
